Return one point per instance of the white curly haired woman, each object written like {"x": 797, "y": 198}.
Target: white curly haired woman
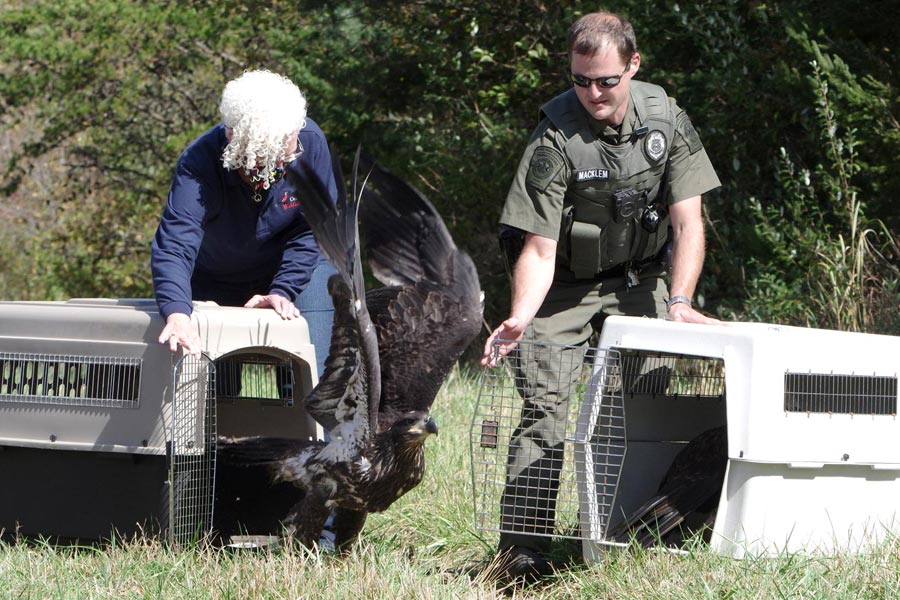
{"x": 232, "y": 230}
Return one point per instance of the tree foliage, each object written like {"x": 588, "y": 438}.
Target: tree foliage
{"x": 98, "y": 98}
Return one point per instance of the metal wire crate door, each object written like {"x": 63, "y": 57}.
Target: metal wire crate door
{"x": 193, "y": 450}
{"x": 534, "y": 437}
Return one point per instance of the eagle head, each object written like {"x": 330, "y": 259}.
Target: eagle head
{"x": 413, "y": 427}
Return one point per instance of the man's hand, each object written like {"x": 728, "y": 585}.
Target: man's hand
{"x": 179, "y": 330}
{"x": 510, "y": 330}
{"x": 682, "y": 312}
{"x": 284, "y": 307}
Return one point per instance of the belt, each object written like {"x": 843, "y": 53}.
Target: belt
{"x": 621, "y": 270}
{"x": 616, "y": 271}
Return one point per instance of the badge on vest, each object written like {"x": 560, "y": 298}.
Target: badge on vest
{"x": 592, "y": 175}
{"x": 655, "y": 145}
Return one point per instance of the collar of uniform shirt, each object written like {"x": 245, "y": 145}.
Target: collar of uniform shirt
{"x": 620, "y": 134}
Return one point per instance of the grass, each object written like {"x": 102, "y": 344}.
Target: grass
{"x": 423, "y": 547}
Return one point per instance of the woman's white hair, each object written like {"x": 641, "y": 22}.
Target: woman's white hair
{"x": 262, "y": 111}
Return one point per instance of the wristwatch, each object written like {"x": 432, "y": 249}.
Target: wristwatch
{"x": 676, "y": 300}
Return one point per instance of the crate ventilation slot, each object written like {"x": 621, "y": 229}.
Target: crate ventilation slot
{"x": 92, "y": 381}
{"x": 840, "y": 394}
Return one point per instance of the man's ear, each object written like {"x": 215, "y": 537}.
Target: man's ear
{"x": 635, "y": 64}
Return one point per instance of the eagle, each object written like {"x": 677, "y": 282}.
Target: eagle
{"x": 391, "y": 350}
{"x": 687, "y": 499}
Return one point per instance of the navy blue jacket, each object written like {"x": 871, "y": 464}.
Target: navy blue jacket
{"x": 215, "y": 243}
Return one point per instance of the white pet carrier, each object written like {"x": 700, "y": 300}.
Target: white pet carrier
{"x": 813, "y": 462}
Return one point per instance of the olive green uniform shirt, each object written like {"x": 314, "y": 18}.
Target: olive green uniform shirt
{"x": 535, "y": 201}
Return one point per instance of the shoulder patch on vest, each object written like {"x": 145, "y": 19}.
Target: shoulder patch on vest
{"x": 544, "y": 166}
{"x": 684, "y": 126}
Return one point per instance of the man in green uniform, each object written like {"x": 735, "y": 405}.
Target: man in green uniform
{"x": 613, "y": 172}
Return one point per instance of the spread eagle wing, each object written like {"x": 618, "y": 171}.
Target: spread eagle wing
{"x": 687, "y": 498}
{"x": 345, "y": 402}
{"x": 431, "y": 306}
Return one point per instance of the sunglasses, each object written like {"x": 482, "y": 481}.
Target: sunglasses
{"x": 604, "y": 82}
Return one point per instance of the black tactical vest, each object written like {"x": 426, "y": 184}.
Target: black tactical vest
{"x": 611, "y": 186}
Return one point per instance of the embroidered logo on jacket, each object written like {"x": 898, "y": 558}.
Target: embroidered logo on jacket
{"x": 545, "y": 163}
{"x": 288, "y": 201}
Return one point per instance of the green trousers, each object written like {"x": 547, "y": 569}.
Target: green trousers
{"x": 546, "y": 376}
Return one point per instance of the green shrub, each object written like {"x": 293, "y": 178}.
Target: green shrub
{"x": 828, "y": 264}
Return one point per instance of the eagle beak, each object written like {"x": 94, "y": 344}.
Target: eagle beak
{"x": 424, "y": 428}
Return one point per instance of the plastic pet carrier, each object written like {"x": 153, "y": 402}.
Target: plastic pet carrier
{"x": 805, "y": 421}
{"x": 104, "y": 432}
